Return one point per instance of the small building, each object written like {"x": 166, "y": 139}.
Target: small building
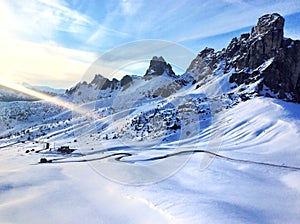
{"x": 65, "y": 149}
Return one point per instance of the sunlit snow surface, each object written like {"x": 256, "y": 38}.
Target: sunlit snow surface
{"x": 257, "y": 180}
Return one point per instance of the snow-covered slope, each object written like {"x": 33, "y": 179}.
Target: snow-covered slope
{"x": 146, "y": 138}
{"x": 9, "y": 95}
{"x": 253, "y": 178}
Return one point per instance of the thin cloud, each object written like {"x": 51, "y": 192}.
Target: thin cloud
{"x": 64, "y": 14}
{"x": 38, "y": 18}
{"x": 104, "y": 32}
{"x": 237, "y": 17}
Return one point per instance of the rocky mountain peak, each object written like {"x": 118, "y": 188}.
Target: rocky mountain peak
{"x": 103, "y": 83}
{"x": 264, "y": 42}
{"x": 268, "y": 34}
{"x": 263, "y": 57}
{"x": 99, "y": 82}
{"x": 158, "y": 66}
{"x": 160, "y": 58}
{"x": 206, "y": 52}
{"x": 269, "y": 23}
{"x": 266, "y": 55}
{"x": 206, "y": 57}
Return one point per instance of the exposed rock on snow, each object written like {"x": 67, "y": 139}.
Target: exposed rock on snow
{"x": 264, "y": 55}
{"x": 159, "y": 66}
{"x": 266, "y": 42}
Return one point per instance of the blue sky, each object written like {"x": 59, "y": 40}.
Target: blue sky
{"x": 53, "y": 42}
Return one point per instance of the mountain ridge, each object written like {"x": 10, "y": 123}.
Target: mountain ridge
{"x": 263, "y": 57}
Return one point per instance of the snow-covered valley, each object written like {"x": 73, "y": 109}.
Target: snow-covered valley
{"x": 262, "y": 186}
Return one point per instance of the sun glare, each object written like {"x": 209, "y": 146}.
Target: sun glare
{"x": 48, "y": 98}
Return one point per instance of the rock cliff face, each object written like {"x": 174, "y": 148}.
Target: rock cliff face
{"x": 264, "y": 54}
{"x": 203, "y": 64}
{"x": 283, "y": 75}
{"x": 158, "y": 66}
{"x": 264, "y": 42}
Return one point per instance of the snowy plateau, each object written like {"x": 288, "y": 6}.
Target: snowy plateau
{"x": 217, "y": 144}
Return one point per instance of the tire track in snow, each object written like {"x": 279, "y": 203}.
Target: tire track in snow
{"x": 121, "y": 156}
{"x": 213, "y": 154}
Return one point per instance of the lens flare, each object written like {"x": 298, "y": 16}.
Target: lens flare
{"x": 50, "y": 99}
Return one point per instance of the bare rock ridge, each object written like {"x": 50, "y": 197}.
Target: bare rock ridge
{"x": 266, "y": 43}
{"x": 264, "y": 54}
{"x": 102, "y": 83}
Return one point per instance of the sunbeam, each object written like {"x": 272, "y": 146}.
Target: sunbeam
{"x": 50, "y": 99}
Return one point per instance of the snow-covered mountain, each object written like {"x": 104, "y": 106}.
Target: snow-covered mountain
{"x": 45, "y": 89}
{"x": 219, "y": 143}
{"x": 262, "y": 62}
{"x": 8, "y": 95}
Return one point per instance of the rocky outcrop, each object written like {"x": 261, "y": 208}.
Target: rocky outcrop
{"x": 263, "y": 55}
{"x": 202, "y": 66}
{"x": 158, "y": 66}
{"x": 283, "y": 75}
{"x": 98, "y": 83}
{"x": 207, "y": 56}
{"x": 262, "y": 58}
{"x": 251, "y": 50}
{"x": 103, "y": 83}
{"x": 266, "y": 43}
{"x": 126, "y": 80}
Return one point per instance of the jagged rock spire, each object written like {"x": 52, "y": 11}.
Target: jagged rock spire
{"x": 269, "y": 23}
{"x": 158, "y": 66}
{"x": 262, "y": 55}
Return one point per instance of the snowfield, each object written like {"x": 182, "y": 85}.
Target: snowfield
{"x": 254, "y": 176}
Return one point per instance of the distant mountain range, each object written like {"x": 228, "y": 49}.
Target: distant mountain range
{"x": 45, "y": 89}
{"x": 9, "y": 95}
